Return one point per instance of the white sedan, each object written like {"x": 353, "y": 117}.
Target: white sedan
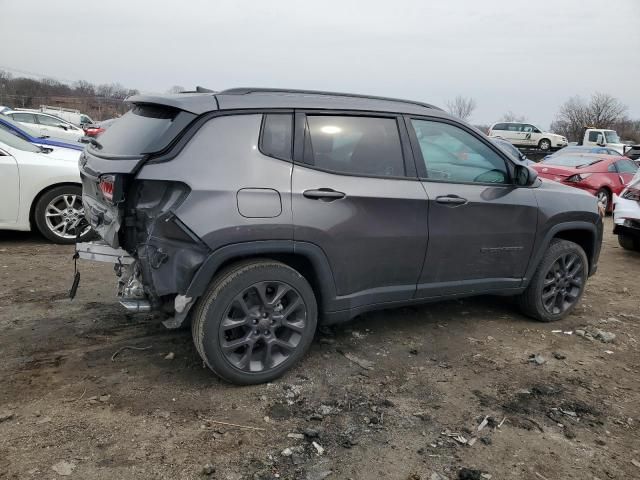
{"x": 47, "y": 124}
{"x": 40, "y": 188}
{"x": 626, "y": 215}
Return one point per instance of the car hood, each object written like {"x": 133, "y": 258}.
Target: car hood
{"x": 66, "y": 154}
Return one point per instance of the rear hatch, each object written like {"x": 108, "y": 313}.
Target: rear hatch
{"x": 109, "y": 163}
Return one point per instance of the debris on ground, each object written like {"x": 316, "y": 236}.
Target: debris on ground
{"x": 4, "y": 416}
{"x": 170, "y": 356}
{"x": 318, "y": 448}
{"x": 537, "y": 359}
{"x": 635, "y": 462}
{"x": 208, "y": 469}
{"x": 559, "y": 356}
{"x": 64, "y": 468}
{"x": 361, "y": 362}
{"x": 603, "y": 336}
{"x": 483, "y": 423}
{"x": 470, "y": 474}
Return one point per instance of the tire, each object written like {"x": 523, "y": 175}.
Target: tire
{"x": 61, "y": 205}
{"x": 604, "y": 199}
{"x": 629, "y": 243}
{"x": 534, "y": 301}
{"x": 544, "y": 145}
{"x": 236, "y": 306}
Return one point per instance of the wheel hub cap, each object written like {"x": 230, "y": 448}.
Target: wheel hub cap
{"x": 563, "y": 283}
{"x": 63, "y": 215}
{"x": 262, "y": 326}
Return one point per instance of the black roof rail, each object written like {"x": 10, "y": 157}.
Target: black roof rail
{"x": 247, "y": 90}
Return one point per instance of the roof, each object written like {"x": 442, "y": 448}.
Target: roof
{"x": 256, "y": 98}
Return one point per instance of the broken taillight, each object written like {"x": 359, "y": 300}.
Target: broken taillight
{"x": 107, "y": 186}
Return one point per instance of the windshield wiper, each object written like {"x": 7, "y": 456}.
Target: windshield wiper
{"x": 95, "y": 143}
{"x": 589, "y": 164}
{"x": 44, "y": 136}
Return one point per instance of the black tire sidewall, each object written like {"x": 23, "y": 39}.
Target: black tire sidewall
{"x": 556, "y": 250}
{"x": 40, "y": 208}
{"x": 215, "y": 308}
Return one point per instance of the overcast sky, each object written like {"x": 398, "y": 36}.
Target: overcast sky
{"x": 527, "y": 57}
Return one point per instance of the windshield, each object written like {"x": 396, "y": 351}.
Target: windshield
{"x": 10, "y": 140}
{"x": 611, "y": 137}
{"x": 32, "y": 133}
{"x": 569, "y": 160}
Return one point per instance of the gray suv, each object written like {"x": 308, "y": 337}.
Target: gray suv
{"x": 256, "y": 214}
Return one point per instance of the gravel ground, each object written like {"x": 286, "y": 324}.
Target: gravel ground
{"x": 398, "y": 394}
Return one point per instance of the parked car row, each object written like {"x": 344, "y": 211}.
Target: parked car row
{"x": 40, "y": 188}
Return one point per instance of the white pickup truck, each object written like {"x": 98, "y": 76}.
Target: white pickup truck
{"x": 602, "y": 137}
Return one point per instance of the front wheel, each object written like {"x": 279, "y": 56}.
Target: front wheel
{"x": 544, "y": 145}
{"x": 558, "y": 283}
{"x": 59, "y": 215}
{"x": 256, "y": 320}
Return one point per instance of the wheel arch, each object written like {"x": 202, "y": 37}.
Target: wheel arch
{"x": 38, "y": 196}
{"x": 585, "y": 234}
{"x": 306, "y": 258}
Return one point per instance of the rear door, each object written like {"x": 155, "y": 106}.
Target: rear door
{"x": 481, "y": 226}
{"x": 355, "y": 194}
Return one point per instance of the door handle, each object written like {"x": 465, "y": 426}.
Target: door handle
{"x": 451, "y": 200}
{"x": 326, "y": 194}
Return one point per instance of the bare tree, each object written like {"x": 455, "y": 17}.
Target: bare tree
{"x": 512, "y": 117}
{"x": 461, "y": 107}
{"x": 176, "y": 89}
{"x": 602, "y": 111}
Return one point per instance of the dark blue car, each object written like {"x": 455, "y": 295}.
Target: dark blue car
{"x": 30, "y": 136}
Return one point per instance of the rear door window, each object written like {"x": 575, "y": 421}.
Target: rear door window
{"x": 24, "y": 117}
{"x": 354, "y": 145}
{"x": 50, "y": 121}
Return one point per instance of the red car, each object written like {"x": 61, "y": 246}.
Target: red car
{"x": 600, "y": 175}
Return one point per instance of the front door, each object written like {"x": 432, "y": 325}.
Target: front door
{"x": 10, "y": 188}
{"x": 356, "y": 197}
{"x": 481, "y": 226}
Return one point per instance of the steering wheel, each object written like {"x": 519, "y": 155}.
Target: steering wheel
{"x": 492, "y": 176}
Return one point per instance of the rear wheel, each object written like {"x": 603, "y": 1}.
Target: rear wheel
{"x": 628, "y": 243}
{"x": 604, "y": 199}
{"x": 558, "y": 283}
{"x": 544, "y": 144}
{"x": 59, "y": 215}
{"x": 256, "y": 320}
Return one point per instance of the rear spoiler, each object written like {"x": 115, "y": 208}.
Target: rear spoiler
{"x": 197, "y": 103}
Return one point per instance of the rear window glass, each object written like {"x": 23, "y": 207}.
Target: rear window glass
{"x": 137, "y": 131}
{"x": 626, "y": 166}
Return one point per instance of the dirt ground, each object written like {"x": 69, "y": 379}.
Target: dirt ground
{"x": 429, "y": 377}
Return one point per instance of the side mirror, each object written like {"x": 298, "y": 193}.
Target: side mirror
{"x": 525, "y": 176}
{"x": 63, "y": 126}
{"x": 600, "y": 140}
